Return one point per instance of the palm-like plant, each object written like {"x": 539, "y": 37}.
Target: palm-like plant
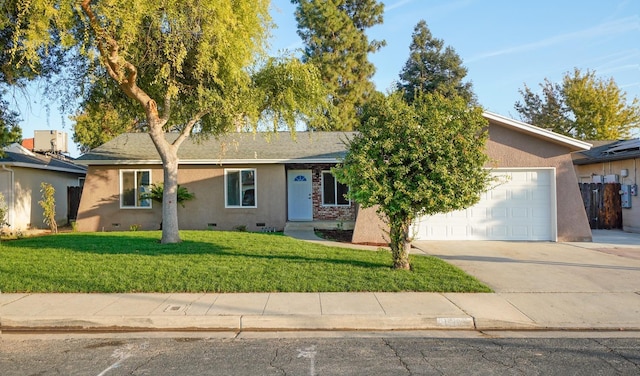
{"x": 156, "y": 191}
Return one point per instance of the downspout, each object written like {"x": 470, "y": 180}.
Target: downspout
{"x": 9, "y": 199}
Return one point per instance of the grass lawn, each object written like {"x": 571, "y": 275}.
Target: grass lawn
{"x": 211, "y": 261}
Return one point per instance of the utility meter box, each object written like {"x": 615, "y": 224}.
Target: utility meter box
{"x": 625, "y": 195}
{"x": 614, "y": 178}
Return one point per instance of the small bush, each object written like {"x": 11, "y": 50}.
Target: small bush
{"x": 48, "y": 203}
{"x": 4, "y": 212}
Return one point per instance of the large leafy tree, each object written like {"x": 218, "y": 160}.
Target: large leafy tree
{"x": 180, "y": 66}
{"x": 432, "y": 68}
{"x": 415, "y": 159}
{"x": 20, "y": 65}
{"x": 583, "y": 106}
{"x": 9, "y": 128}
{"x": 98, "y": 120}
{"x": 334, "y": 34}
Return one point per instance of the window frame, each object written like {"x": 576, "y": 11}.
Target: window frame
{"x": 136, "y": 190}
{"x": 226, "y": 188}
{"x": 335, "y": 191}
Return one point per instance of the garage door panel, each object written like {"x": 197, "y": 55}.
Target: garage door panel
{"x": 500, "y": 231}
{"x": 542, "y": 178}
{"x": 500, "y": 213}
{"x": 520, "y": 194}
{"x": 457, "y": 231}
{"x": 498, "y": 194}
{"x": 477, "y": 213}
{"x": 518, "y": 208}
{"x": 541, "y": 213}
{"x": 519, "y": 231}
{"x": 520, "y": 213}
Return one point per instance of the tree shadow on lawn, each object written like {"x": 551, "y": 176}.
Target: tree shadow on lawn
{"x": 147, "y": 245}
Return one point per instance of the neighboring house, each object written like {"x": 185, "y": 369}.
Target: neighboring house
{"x": 265, "y": 181}
{"x": 535, "y": 198}
{"x": 22, "y": 172}
{"x": 614, "y": 162}
{"x": 255, "y": 181}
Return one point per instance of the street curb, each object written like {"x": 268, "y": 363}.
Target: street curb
{"x": 253, "y": 323}
{"x": 234, "y": 323}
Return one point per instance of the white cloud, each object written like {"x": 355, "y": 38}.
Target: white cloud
{"x": 619, "y": 26}
{"x": 397, "y": 4}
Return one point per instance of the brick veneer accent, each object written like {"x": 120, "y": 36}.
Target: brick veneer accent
{"x": 320, "y": 212}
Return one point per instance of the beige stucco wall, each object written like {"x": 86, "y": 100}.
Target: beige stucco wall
{"x": 630, "y": 216}
{"x": 22, "y": 199}
{"x": 100, "y": 205}
{"x": 509, "y": 148}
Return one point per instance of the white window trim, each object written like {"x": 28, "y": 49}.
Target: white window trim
{"x": 335, "y": 191}
{"x": 255, "y": 188}
{"x": 120, "y": 190}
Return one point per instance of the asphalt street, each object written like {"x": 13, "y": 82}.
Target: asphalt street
{"x": 375, "y": 355}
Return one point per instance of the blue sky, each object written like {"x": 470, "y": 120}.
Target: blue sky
{"x": 504, "y": 44}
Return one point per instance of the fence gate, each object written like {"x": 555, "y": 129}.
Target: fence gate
{"x": 73, "y": 202}
{"x": 603, "y": 205}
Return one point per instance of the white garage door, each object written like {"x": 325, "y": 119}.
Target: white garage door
{"x": 520, "y": 206}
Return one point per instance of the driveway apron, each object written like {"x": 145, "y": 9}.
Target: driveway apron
{"x": 542, "y": 267}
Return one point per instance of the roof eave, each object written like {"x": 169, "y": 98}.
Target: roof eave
{"x": 43, "y": 167}
{"x": 104, "y": 162}
{"x": 611, "y": 158}
{"x": 572, "y": 143}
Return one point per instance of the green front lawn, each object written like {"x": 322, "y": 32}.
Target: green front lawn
{"x": 211, "y": 261}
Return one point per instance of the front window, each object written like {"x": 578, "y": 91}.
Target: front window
{"x": 240, "y": 188}
{"x": 133, "y": 184}
{"x": 333, "y": 192}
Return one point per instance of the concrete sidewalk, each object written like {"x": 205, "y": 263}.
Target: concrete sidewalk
{"x": 534, "y": 291}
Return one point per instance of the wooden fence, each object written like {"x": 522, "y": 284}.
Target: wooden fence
{"x": 603, "y": 205}
{"x": 73, "y": 202}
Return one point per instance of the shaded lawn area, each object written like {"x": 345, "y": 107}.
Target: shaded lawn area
{"x": 211, "y": 261}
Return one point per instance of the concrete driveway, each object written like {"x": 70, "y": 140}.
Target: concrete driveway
{"x": 611, "y": 264}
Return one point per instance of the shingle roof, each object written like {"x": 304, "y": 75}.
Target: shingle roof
{"x": 278, "y": 147}
{"x": 16, "y": 155}
{"x": 609, "y": 151}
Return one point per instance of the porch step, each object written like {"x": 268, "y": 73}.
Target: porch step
{"x": 324, "y": 225}
{"x": 298, "y": 226}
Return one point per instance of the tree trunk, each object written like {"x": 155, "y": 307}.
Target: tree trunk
{"x": 170, "y": 228}
{"x": 399, "y": 241}
{"x": 169, "y": 156}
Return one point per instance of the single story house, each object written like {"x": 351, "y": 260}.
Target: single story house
{"x": 254, "y": 181}
{"x": 614, "y": 162}
{"x": 22, "y": 172}
{"x": 268, "y": 181}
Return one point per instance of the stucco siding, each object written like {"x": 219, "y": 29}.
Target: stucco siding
{"x": 26, "y": 211}
{"x": 630, "y": 216}
{"x": 508, "y": 148}
{"x": 100, "y": 205}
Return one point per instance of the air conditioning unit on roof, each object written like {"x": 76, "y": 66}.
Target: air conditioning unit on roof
{"x": 50, "y": 141}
